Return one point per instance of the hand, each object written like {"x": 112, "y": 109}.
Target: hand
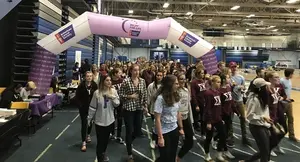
{"x": 197, "y": 109}
{"x": 134, "y": 96}
{"x": 161, "y": 142}
{"x": 181, "y": 132}
{"x": 208, "y": 126}
{"x": 268, "y": 120}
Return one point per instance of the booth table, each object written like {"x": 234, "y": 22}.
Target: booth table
{"x": 39, "y": 108}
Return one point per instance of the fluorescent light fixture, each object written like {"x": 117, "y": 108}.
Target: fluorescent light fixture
{"x": 291, "y": 1}
{"x": 247, "y": 29}
{"x": 272, "y": 26}
{"x": 251, "y": 15}
{"x": 166, "y": 5}
{"x": 209, "y": 19}
{"x": 298, "y": 10}
{"x": 274, "y": 30}
{"x": 189, "y": 13}
{"x": 130, "y": 11}
{"x": 224, "y": 25}
{"x": 235, "y": 7}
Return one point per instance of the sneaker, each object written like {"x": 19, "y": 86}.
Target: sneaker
{"x": 194, "y": 138}
{"x": 148, "y": 115}
{"x": 105, "y": 158}
{"x": 152, "y": 144}
{"x": 83, "y": 147}
{"x": 88, "y": 139}
{"x": 279, "y": 149}
{"x": 273, "y": 153}
{"x": 120, "y": 140}
{"x": 220, "y": 156}
{"x": 130, "y": 158}
{"x": 214, "y": 144}
{"x": 112, "y": 137}
{"x": 228, "y": 155}
{"x": 208, "y": 158}
{"x": 202, "y": 137}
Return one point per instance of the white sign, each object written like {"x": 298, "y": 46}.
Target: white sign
{"x": 78, "y": 57}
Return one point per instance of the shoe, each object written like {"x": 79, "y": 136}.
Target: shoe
{"x": 148, "y": 115}
{"x": 279, "y": 149}
{"x": 294, "y": 139}
{"x": 228, "y": 155}
{"x": 246, "y": 142}
{"x": 112, "y": 137}
{"x": 214, "y": 144}
{"x": 83, "y": 147}
{"x": 120, "y": 140}
{"x": 202, "y": 137}
{"x": 273, "y": 153}
{"x": 104, "y": 158}
{"x": 88, "y": 139}
{"x": 194, "y": 138}
{"x": 230, "y": 143}
{"x": 220, "y": 157}
{"x": 130, "y": 159}
{"x": 208, "y": 158}
{"x": 152, "y": 144}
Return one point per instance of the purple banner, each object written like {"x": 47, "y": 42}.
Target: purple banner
{"x": 210, "y": 62}
{"x": 188, "y": 39}
{"x": 41, "y": 69}
{"x": 65, "y": 34}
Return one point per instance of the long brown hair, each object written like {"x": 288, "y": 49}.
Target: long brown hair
{"x": 131, "y": 68}
{"x": 166, "y": 90}
{"x": 101, "y": 83}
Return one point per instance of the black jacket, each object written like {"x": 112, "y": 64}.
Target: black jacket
{"x": 9, "y": 96}
{"x": 83, "y": 97}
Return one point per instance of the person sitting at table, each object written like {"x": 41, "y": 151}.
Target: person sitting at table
{"x": 84, "y": 94}
{"x": 11, "y": 94}
{"x": 27, "y": 90}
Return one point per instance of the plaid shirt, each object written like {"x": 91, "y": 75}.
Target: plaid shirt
{"x": 127, "y": 88}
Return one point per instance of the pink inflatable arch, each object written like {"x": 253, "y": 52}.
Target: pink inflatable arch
{"x": 91, "y": 23}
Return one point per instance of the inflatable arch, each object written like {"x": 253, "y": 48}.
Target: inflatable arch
{"x": 92, "y": 23}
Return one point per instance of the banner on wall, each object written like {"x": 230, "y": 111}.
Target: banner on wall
{"x": 210, "y": 62}
{"x": 78, "y": 57}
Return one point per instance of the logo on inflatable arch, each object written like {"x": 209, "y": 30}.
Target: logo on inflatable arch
{"x": 188, "y": 39}
{"x": 131, "y": 27}
{"x": 65, "y": 34}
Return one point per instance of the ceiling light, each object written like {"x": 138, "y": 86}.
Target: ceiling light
{"x": 166, "y": 5}
{"x": 291, "y": 1}
{"x": 247, "y": 29}
{"x": 209, "y": 19}
{"x": 274, "y": 30}
{"x": 298, "y": 10}
{"x": 235, "y": 7}
{"x": 272, "y": 26}
{"x": 224, "y": 24}
{"x": 189, "y": 13}
{"x": 130, "y": 11}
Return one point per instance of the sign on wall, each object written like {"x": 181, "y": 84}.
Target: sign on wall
{"x": 78, "y": 57}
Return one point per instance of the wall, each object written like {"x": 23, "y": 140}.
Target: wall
{"x": 132, "y": 53}
{"x": 6, "y": 6}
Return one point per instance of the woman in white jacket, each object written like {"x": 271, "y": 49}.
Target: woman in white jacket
{"x": 259, "y": 119}
{"x": 102, "y": 111}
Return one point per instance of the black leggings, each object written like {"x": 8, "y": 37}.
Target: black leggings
{"x": 261, "y": 135}
{"x": 85, "y": 129}
{"x": 168, "y": 152}
{"x": 198, "y": 117}
{"x": 119, "y": 120}
{"x": 228, "y": 125}
{"x": 133, "y": 126}
{"x": 102, "y": 133}
{"x": 188, "y": 140}
{"x": 221, "y": 134}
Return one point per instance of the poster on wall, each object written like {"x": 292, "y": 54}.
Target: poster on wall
{"x": 78, "y": 57}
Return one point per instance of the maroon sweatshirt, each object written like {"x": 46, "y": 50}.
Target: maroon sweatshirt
{"x": 213, "y": 107}
{"x": 198, "y": 88}
{"x": 226, "y": 99}
{"x": 117, "y": 83}
{"x": 273, "y": 102}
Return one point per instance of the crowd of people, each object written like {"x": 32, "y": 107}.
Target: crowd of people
{"x": 182, "y": 101}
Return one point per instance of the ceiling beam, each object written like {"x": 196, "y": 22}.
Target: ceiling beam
{"x": 228, "y": 4}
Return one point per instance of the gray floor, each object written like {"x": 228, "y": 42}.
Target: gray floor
{"x": 59, "y": 141}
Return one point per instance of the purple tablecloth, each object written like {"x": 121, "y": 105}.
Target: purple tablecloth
{"x": 39, "y": 108}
